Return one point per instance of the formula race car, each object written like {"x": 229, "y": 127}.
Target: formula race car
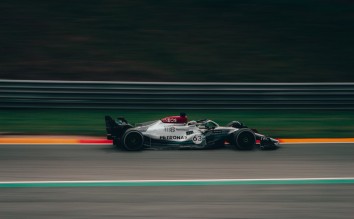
{"x": 177, "y": 132}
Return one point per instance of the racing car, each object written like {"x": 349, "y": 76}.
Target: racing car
{"x": 178, "y": 132}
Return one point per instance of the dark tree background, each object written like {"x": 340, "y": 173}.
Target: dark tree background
{"x": 174, "y": 40}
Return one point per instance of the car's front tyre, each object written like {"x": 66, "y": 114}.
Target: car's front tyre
{"x": 244, "y": 139}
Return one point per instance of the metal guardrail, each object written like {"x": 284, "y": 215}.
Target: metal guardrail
{"x": 159, "y": 95}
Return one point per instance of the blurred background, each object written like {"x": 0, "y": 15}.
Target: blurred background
{"x": 283, "y": 67}
{"x": 199, "y": 40}
{"x": 177, "y": 41}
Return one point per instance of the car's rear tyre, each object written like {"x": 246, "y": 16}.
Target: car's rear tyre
{"x": 244, "y": 139}
{"x": 133, "y": 140}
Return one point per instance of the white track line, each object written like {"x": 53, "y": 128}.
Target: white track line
{"x": 181, "y": 180}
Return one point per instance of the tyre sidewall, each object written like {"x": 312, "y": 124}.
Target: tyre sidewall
{"x": 131, "y": 146}
{"x": 244, "y": 139}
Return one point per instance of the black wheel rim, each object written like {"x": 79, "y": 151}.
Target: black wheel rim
{"x": 133, "y": 141}
{"x": 246, "y": 140}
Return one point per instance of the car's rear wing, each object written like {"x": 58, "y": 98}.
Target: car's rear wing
{"x": 116, "y": 129}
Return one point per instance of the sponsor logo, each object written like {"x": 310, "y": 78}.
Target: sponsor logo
{"x": 189, "y": 132}
{"x": 170, "y": 129}
{"x": 173, "y": 137}
{"x": 171, "y": 120}
{"x": 217, "y": 131}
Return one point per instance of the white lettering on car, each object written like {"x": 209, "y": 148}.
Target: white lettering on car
{"x": 169, "y": 129}
{"x": 172, "y": 120}
{"x": 173, "y": 137}
{"x": 197, "y": 139}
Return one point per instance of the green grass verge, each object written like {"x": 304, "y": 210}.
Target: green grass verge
{"x": 280, "y": 123}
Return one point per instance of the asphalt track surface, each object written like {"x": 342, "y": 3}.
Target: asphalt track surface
{"x": 103, "y": 162}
